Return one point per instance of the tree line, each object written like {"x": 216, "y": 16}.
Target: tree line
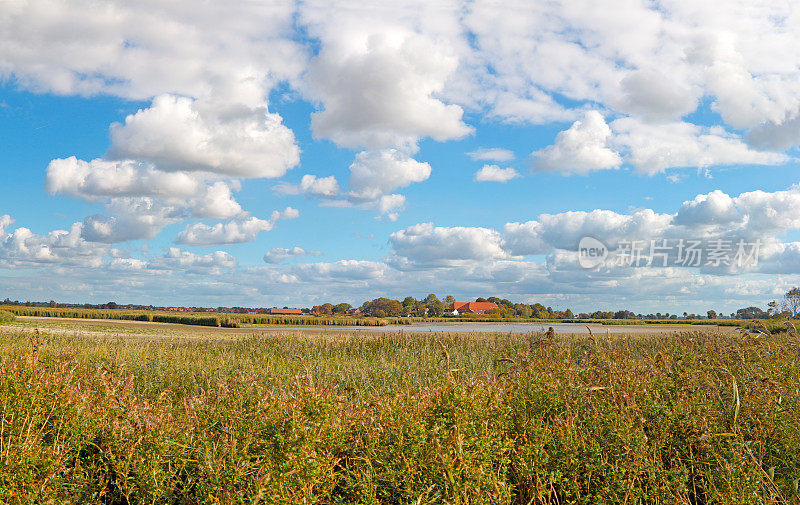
{"x": 431, "y": 306}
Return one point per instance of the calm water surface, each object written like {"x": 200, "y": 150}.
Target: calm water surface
{"x": 573, "y": 328}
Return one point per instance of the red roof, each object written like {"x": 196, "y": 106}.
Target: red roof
{"x": 474, "y": 307}
{"x": 285, "y": 311}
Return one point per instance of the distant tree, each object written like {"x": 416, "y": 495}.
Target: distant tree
{"x": 386, "y": 306}
{"x": 751, "y": 313}
{"x": 712, "y": 314}
{"x": 325, "y": 309}
{"x": 341, "y": 308}
{"x": 434, "y": 305}
{"x": 449, "y": 300}
{"x": 52, "y": 303}
{"x": 568, "y": 314}
{"x": 435, "y": 308}
{"x": 480, "y": 299}
{"x": 539, "y": 311}
{"x": 791, "y": 301}
{"x": 773, "y": 309}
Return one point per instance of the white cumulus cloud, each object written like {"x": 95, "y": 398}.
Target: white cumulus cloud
{"x": 380, "y": 93}
{"x": 375, "y": 173}
{"x": 581, "y": 149}
{"x": 495, "y": 174}
{"x": 231, "y": 139}
{"x": 236, "y": 231}
{"x": 426, "y": 244}
{"x": 310, "y": 184}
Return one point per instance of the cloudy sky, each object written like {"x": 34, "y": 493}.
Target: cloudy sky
{"x": 289, "y": 153}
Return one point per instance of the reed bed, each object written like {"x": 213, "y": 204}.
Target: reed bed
{"x": 770, "y": 325}
{"x": 695, "y": 418}
{"x": 225, "y": 320}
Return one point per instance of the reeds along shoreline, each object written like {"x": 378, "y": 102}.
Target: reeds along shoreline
{"x": 237, "y": 320}
{"x": 202, "y": 318}
{"x": 693, "y": 418}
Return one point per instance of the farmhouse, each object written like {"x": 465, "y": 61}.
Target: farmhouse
{"x": 469, "y": 308}
{"x": 285, "y": 311}
{"x": 353, "y": 312}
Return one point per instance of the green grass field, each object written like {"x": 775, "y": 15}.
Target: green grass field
{"x": 115, "y": 416}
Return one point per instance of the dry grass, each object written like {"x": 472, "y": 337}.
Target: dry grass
{"x": 692, "y": 418}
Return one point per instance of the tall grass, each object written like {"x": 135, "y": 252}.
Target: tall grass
{"x": 400, "y": 419}
{"x": 201, "y": 318}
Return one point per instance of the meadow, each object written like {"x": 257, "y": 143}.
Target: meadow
{"x": 183, "y": 418}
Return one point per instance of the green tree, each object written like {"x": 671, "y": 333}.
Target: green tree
{"x": 434, "y": 305}
{"x": 341, "y": 308}
{"x": 435, "y": 308}
{"x": 712, "y": 314}
{"x": 430, "y": 298}
{"x": 386, "y": 306}
{"x": 751, "y": 313}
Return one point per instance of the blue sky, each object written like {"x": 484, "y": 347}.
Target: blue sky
{"x": 290, "y": 153}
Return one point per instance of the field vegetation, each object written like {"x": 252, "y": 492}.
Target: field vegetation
{"x": 243, "y": 320}
{"x": 201, "y": 318}
{"x": 701, "y": 417}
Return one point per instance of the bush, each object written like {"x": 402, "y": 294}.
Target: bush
{"x": 6, "y": 316}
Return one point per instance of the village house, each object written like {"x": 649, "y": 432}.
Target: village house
{"x": 469, "y": 308}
